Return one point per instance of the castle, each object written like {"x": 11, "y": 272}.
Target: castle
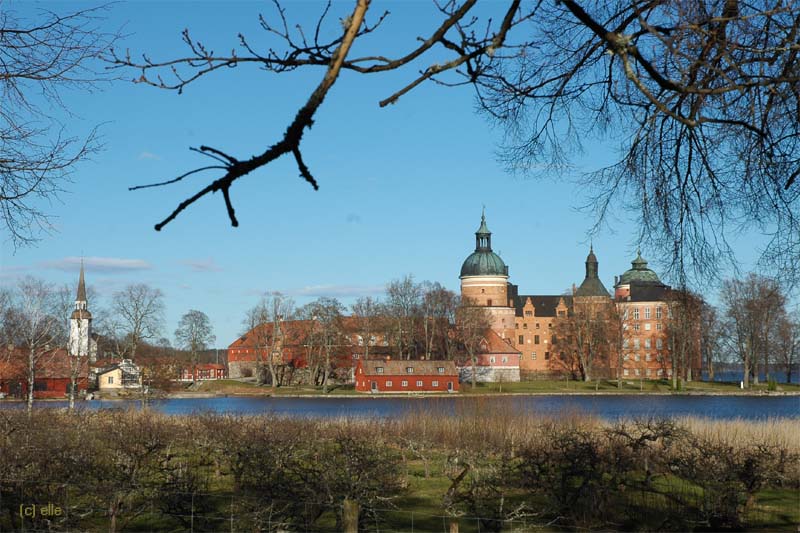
{"x": 533, "y": 323}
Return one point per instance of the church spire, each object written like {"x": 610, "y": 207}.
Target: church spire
{"x": 81, "y": 287}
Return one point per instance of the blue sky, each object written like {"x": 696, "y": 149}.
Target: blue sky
{"x": 401, "y": 188}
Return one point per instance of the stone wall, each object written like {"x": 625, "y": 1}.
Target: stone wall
{"x": 489, "y": 374}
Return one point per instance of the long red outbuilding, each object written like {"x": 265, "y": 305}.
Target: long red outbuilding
{"x": 387, "y": 376}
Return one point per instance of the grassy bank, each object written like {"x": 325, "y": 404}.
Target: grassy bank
{"x": 244, "y": 388}
{"x": 488, "y": 469}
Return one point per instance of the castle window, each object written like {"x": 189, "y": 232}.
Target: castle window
{"x": 419, "y": 383}
{"x": 379, "y": 370}
{"x": 528, "y": 313}
{"x": 388, "y": 383}
{"x": 537, "y": 325}
{"x": 636, "y": 313}
{"x": 440, "y": 370}
{"x": 492, "y": 359}
{"x": 658, "y": 313}
{"x": 404, "y": 383}
{"x": 658, "y": 326}
{"x": 533, "y": 356}
{"x": 647, "y": 326}
{"x": 505, "y": 359}
{"x": 434, "y": 383}
{"x": 409, "y": 370}
{"x": 636, "y": 327}
{"x": 647, "y": 313}
{"x": 483, "y": 291}
{"x": 546, "y": 356}
{"x": 524, "y": 326}
{"x": 489, "y": 302}
{"x": 659, "y": 343}
{"x": 536, "y": 339}
{"x": 553, "y": 339}
{"x": 647, "y": 343}
{"x": 636, "y": 343}
{"x": 521, "y": 339}
{"x": 562, "y": 313}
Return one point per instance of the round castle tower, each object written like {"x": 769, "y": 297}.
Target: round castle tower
{"x": 484, "y": 280}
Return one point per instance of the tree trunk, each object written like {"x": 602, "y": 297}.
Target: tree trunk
{"x": 31, "y": 377}
{"x": 325, "y": 370}
{"x": 474, "y": 374}
{"x": 746, "y": 377}
{"x": 454, "y": 525}
{"x": 350, "y": 516}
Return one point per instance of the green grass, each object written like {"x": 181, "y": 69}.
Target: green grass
{"x": 629, "y": 386}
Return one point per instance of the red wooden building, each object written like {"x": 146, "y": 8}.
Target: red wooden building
{"x": 387, "y": 376}
{"x": 52, "y": 373}
{"x": 204, "y": 371}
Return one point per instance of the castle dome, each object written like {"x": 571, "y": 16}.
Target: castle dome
{"x": 483, "y": 261}
{"x": 639, "y": 273}
{"x": 484, "y": 264}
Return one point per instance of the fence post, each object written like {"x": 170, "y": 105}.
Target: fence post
{"x": 231, "y": 513}
{"x": 192, "y": 517}
{"x": 350, "y": 516}
{"x": 453, "y": 524}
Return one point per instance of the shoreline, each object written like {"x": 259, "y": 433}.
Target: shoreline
{"x": 209, "y": 395}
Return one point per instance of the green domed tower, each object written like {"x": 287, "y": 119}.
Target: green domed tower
{"x": 483, "y": 261}
{"x": 639, "y": 278}
{"x": 484, "y": 280}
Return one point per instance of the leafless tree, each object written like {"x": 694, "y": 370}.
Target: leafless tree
{"x": 684, "y": 310}
{"x": 264, "y": 323}
{"x": 700, "y": 96}
{"x": 403, "y": 300}
{"x": 195, "y": 333}
{"x": 710, "y": 333}
{"x": 41, "y": 58}
{"x": 752, "y": 305}
{"x": 788, "y": 342}
{"x": 139, "y": 315}
{"x": 37, "y": 326}
{"x": 367, "y": 312}
{"x": 619, "y": 337}
{"x": 328, "y": 313}
{"x": 585, "y": 335}
{"x": 437, "y": 303}
{"x": 472, "y": 321}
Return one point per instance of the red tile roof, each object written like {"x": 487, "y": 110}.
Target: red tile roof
{"x": 399, "y": 367}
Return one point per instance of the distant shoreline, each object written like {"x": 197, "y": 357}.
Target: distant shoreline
{"x": 209, "y": 395}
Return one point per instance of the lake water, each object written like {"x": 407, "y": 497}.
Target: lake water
{"x": 604, "y": 406}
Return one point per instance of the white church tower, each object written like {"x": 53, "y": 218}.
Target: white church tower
{"x": 80, "y": 323}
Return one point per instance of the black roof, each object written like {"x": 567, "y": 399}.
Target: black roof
{"x": 648, "y": 293}
{"x": 545, "y": 304}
